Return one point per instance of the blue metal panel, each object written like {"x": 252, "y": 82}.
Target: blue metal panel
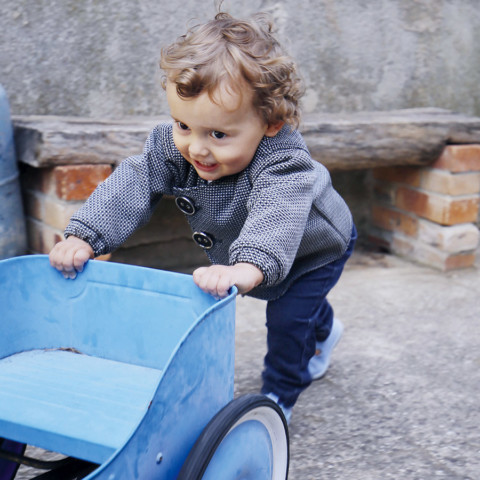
{"x": 12, "y": 223}
{"x": 77, "y": 405}
{"x": 122, "y": 312}
{"x": 139, "y": 316}
{"x": 197, "y": 383}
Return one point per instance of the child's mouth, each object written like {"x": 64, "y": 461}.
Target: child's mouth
{"x": 205, "y": 167}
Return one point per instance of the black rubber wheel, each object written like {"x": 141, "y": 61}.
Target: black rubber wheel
{"x": 8, "y": 469}
{"x": 247, "y": 439}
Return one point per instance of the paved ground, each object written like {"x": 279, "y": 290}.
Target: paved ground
{"x": 402, "y": 397}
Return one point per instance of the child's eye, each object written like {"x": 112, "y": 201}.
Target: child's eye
{"x": 218, "y": 135}
{"x": 182, "y": 126}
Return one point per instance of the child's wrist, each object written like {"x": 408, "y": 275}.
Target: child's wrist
{"x": 255, "y": 275}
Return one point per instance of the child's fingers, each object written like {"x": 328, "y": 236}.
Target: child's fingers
{"x": 207, "y": 280}
{"x": 60, "y": 258}
{"x": 198, "y": 275}
{"x": 69, "y": 275}
{"x": 214, "y": 280}
{"x": 69, "y": 256}
{"x": 223, "y": 285}
{"x": 67, "y": 268}
{"x": 80, "y": 257}
{"x": 56, "y": 256}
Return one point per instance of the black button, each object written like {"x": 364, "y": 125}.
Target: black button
{"x": 185, "y": 205}
{"x": 204, "y": 240}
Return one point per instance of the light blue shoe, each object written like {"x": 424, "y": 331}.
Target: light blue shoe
{"x": 319, "y": 363}
{"x": 287, "y": 411}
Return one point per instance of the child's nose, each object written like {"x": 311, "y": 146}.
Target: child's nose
{"x": 197, "y": 148}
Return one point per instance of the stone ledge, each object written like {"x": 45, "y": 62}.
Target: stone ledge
{"x": 384, "y": 139}
{"x": 48, "y": 141}
{"x": 339, "y": 141}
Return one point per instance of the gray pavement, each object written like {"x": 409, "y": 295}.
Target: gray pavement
{"x": 402, "y": 397}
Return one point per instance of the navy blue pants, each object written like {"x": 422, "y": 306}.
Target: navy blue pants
{"x": 295, "y": 321}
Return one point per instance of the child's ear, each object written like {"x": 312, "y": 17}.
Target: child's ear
{"x": 273, "y": 129}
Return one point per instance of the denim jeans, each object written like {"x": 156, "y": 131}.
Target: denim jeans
{"x": 295, "y": 321}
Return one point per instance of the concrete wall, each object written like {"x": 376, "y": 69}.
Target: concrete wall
{"x": 99, "y": 57}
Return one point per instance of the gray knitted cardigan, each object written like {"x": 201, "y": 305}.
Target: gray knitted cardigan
{"x": 281, "y": 213}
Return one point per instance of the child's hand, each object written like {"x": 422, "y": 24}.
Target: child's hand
{"x": 217, "y": 279}
{"x": 70, "y": 255}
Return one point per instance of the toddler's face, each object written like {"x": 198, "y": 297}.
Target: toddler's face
{"x": 217, "y": 139}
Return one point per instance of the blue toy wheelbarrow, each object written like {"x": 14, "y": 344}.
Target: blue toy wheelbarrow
{"x": 128, "y": 373}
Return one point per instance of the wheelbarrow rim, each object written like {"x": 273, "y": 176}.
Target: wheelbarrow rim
{"x": 240, "y": 410}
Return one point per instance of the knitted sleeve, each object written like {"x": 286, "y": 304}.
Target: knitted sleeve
{"x": 278, "y": 210}
{"x": 124, "y": 201}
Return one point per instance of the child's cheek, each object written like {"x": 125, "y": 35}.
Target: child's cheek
{"x": 177, "y": 140}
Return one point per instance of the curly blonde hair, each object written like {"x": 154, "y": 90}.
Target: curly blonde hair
{"x": 235, "y": 51}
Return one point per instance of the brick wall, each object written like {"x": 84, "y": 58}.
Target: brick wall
{"x": 430, "y": 214}
{"x": 52, "y": 195}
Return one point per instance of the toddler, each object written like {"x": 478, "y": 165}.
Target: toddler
{"x": 264, "y": 211}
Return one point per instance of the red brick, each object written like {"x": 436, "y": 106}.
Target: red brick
{"x": 40, "y": 237}
{"x": 77, "y": 182}
{"x": 68, "y": 182}
{"x": 449, "y": 238}
{"x": 462, "y": 260}
{"x": 459, "y": 158}
{"x": 430, "y": 256}
{"x": 393, "y": 220}
{"x": 405, "y": 175}
{"x": 403, "y": 246}
{"x": 104, "y": 258}
{"x": 449, "y": 183}
{"x": 49, "y": 209}
{"x": 443, "y": 209}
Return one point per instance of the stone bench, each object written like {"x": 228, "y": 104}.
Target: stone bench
{"x": 425, "y": 164}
